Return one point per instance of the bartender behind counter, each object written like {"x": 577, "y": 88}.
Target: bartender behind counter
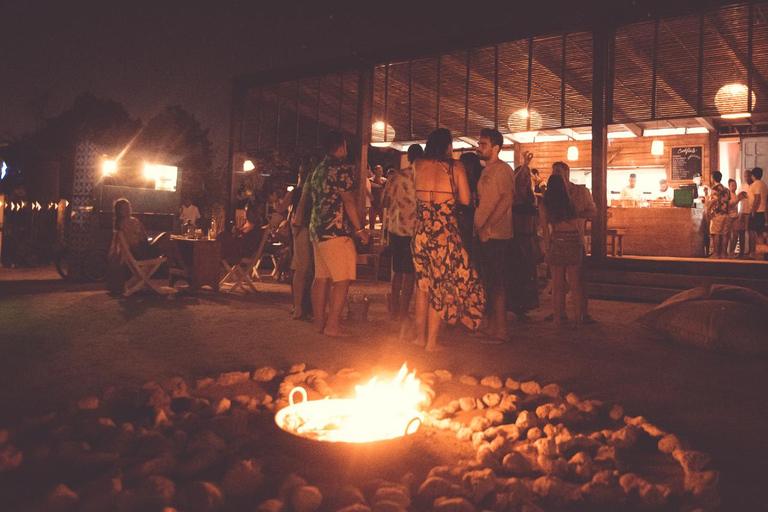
{"x": 665, "y": 191}
{"x": 631, "y": 191}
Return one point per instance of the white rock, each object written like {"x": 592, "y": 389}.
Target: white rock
{"x": 453, "y": 505}
{"x": 468, "y": 380}
{"x": 443, "y": 375}
{"x": 155, "y": 491}
{"x": 479, "y": 483}
{"x": 10, "y": 458}
{"x": 546, "y": 446}
{"x": 355, "y": 507}
{"x": 511, "y": 384}
{"x": 495, "y": 416}
{"x": 479, "y": 423}
{"x": 223, "y": 406}
{"x": 491, "y": 381}
{"x": 552, "y": 391}
{"x": 467, "y": 403}
{"x": 464, "y": 434}
{"x": 433, "y": 488}
{"x": 670, "y": 443}
{"x": 580, "y": 465}
{"x": 491, "y": 399}
{"x": 534, "y": 434}
{"x": 391, "y": 494}
{"x": 272, "y": 505}
{"x": 298, "y": 368}
{"x": 305, "y": 498}
{"x": 526, "y": 420}
{"x": 691, "y": 460}
{"x": 203, "y": 497}
{"x": 88, "y": 403}
{"x": 572, "y": 399}
{"x": 60, "y": 499}
{"x": 556, "y": 491}
{"x": 233, "y": 378}
{"x": 243, "y": 478}
{"x": 289, "y": 483}
{"x": 516, "y": 464}
{"x": 264, "y": 374}
{"x": 531, "y": 387}
{"x": 616, "y": 413}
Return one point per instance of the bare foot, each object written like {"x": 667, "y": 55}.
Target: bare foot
{"x": 335, "y": 333}
{"x": 433, "y": 348}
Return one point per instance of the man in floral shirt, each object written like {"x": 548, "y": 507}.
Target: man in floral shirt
{"x": 333, "y": 223}
{"x": 400, "y": 202}
{"x": 719, "y": 223}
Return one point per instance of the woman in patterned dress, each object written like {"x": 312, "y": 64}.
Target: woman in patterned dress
{"x": 448, "y": 287}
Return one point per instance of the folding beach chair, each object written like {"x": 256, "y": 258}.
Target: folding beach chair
{"x": 239, "y": 274}
{"x": 141, "y": 270}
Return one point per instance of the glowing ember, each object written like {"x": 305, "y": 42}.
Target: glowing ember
{"x": 381, "y": 410}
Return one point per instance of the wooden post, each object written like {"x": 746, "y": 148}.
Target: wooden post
{"x": 600, "y": 76}
{"x": 235, "y": 139}
{"x": 363, "y": 133}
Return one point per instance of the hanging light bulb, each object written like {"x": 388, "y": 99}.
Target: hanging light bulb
{"x": 573, "y": 153}
{"x": 657, "y": 148}
{"x": 518, "y": 121}
{"x": 248, "y": 165}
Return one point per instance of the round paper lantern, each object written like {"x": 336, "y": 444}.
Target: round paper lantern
{"x": 378, "y": 131}
{"x": 732, "y": 99}
{"x": 518, "y": 121}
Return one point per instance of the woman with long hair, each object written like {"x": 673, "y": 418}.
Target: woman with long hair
{"x": 448, "y": 287}
{"x": 466, "y": 213}
{"x": 563, "y": 246}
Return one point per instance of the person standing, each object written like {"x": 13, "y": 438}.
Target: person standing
{"x": 758, "y": 196}
{"x": 743, "y": 194}
{"x": 334, "y": 222}
{"x": 631, "y": 191}
{"x": 665, "y": 191}
{"x": 448, "y": 288}
{"x": 522, "y": 284}
{"x": 493, "y": 224}
{"x": 564, "y": 246}
{"x": 466, "y": 213}
{"x": 400, "y": 204}
{"x": 584, "y": 204}
{"x": 377, "y": 191}
{"x": 733, "y": 216}
{"x": 301, "y": 250}
{"x": 717, "y": 206}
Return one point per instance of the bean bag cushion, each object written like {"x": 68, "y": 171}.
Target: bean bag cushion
{"x": 717, "y": 317}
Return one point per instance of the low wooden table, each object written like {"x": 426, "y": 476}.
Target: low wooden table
{"x": 202, "y": 257}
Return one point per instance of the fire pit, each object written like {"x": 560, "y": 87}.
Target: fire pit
{"x": 382, "y": 410}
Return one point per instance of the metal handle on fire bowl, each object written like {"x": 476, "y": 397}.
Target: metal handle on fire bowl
{"x": 408, "y": 426}
{"x": 300, "y": 390}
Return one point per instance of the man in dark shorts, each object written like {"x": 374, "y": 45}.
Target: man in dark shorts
{"x": 400, "y": 204}
{"x": 493, "y": 223}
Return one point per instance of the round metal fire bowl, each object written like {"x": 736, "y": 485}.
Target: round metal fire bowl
{"x": 349, "y": 454}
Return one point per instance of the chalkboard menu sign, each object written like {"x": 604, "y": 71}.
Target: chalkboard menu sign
{"x": 686, "y": 162}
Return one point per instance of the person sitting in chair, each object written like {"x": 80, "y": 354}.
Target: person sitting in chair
{"x": 244, "y": 240}
{"x": 138, "y": 243}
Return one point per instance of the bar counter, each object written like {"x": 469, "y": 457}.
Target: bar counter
{"x": 667, "y": 231}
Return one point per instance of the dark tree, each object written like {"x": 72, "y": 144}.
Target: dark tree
{"x": 175, "y": 137}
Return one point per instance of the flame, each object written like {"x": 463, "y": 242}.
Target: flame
{"x": 382, "y": 409}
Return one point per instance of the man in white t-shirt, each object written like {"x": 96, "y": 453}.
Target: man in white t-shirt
{"x": 493, "y": 223}
{"x": 189, "y": 213}
{"x": 741, "y": 223}
{"x": 665, "y": 191}
{"x": 758, "y": 195}
{"x": 631, "y": 191}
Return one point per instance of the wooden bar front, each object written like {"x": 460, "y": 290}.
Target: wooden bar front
{"x": 675, "y": 232}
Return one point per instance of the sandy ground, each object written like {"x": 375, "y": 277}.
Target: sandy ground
{"x": 60, "y": 342}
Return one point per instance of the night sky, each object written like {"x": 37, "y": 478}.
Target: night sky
{"x": 149, "y": 55}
